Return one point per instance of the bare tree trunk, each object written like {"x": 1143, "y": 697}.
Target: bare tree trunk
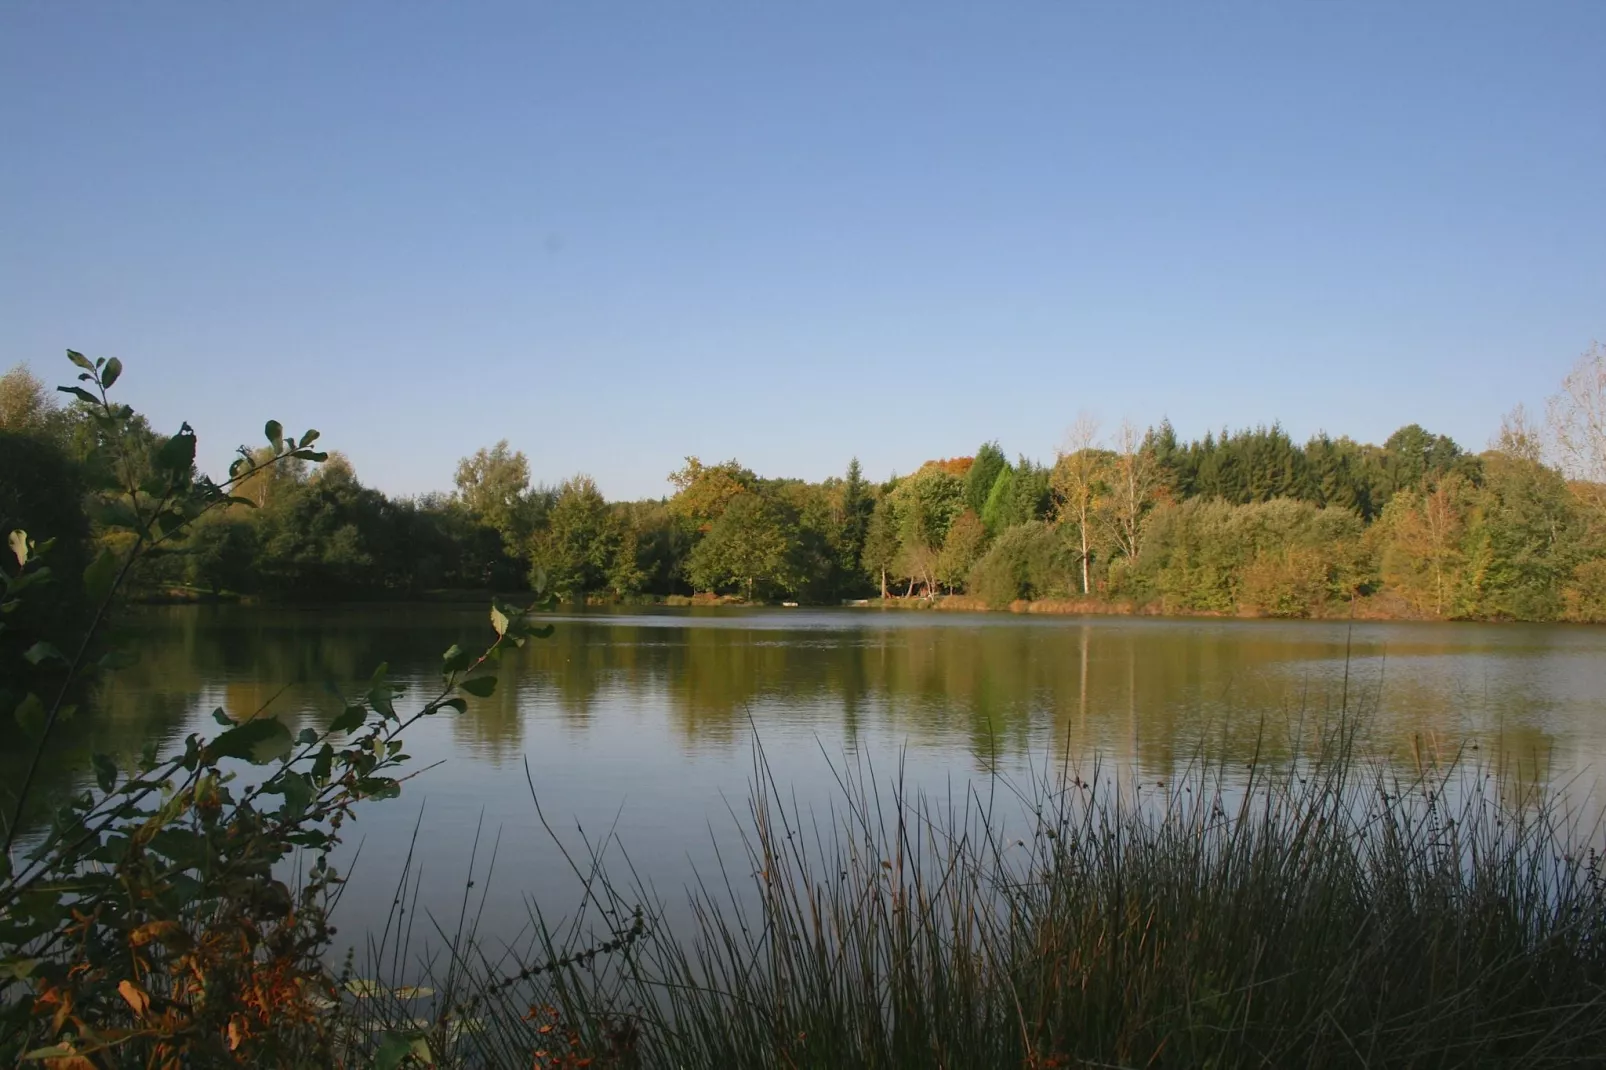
{"x": 1084, "y": 558}
{"x": 883, "y": 584}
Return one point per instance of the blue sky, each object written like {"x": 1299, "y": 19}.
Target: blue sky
{"x": 618, "y": 234}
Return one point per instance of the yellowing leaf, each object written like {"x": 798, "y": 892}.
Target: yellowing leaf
{"x": 136, "y": 997}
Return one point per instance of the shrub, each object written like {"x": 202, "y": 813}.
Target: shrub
{"x": 1026, "y": 561}
{"x": 147, "y": 923}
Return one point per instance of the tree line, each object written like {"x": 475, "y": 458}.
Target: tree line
{"x": 1245, "y": 521}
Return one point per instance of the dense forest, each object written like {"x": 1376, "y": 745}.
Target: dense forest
{"x": 1241, "y": 522}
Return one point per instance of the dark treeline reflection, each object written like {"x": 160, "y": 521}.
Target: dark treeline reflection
{"x": 1154, "y": 691}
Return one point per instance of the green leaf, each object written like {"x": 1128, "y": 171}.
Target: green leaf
{"x": 19, "y": 546}
{"x": 315, "y": 456}
{"x": 178, "y": 453}
{"x": 378, "y": 788}
{"x": 456, "y": 704}
{"x": 105, "y": 771}
{"x": 456, "y": 659}
{"x": 222, "y": 718}
{"x": 43, "y": 651}
{"x": 30, "y": 715}
{"x": 479, "y": 686}
{"x": 80, "y": 360}
{"x": 394, "y": 1048}
{"x": 499, "y": 619}
{"x": 80, "y": 393}
{"x": 275, "y": 432}
{"x": 308, "y": 737}
{"x": 322, "y": 764}
{"x": 55, "y": 1051}
{"x": 18, "y": 969}
{"x": 110, "y": 373}
{"x": 382, "y": 698}
{"x": 297, "y": 794}
{"x": 308, "y": 439}
{"x": 258, "y": 742}
{"x": 100, "y": 576}
{"x": 350, "y": 719}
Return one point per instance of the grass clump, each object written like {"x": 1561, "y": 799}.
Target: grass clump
{"x": 1329, "y": 911}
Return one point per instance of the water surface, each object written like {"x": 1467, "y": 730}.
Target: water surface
{"x": 643, "y": 723}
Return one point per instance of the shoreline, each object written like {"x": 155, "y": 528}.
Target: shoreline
{"x": 1372, "y": 609}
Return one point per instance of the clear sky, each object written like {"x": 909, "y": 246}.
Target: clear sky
{"x": 616, "y": 234}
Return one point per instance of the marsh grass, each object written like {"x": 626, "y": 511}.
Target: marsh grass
{"x": 1329, "y": 910}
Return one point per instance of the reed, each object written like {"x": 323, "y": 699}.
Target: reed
{"x": 1327, "y": 911}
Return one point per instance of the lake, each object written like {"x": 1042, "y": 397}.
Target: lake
{"x": 641, "y": 724}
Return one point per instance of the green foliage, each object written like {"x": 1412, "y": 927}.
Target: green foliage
{"x": 880, "y": 544}
{"x": 746, "y": 548}
{"x": 1031, "y": 560}
{"x": 222, "y": 553}
{"x": 581, "y": 547}
{"x": 1510, "y": 539}
{"x": 703, "y": 492}
{"x": 964, "y": 546}
{"x": 1335, "y": 473}
{"x": 1282, "y": 557}
{"x": 1414, "y": 458}
{"x": 26, "y": 408}
{"x": 41, "y": 492}
{"x": 149, "y": 921}
{"x": 662, "y": 543}
{"x": 1523, "y": 539}
{"x": 998, "y": 511}
{"x": 985, "y": 469}
{"x": 857, "y": 505}
{"x": 494, "y": 486}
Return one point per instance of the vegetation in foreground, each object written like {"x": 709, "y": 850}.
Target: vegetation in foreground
{"x": 1247, "y": 522}
{"x": 1325, "y": 914}
{"x": 1322, "y": 912}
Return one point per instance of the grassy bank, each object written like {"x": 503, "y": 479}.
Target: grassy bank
{"x": 1332, "y": 913}
{"x": 1377, "y": 608}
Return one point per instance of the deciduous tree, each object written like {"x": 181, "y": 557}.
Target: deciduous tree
{"x": 1080, "y": 484}
{"x": 1133, "y": 481}
{"x": 880, "y": 544}
{"x": 494, "y": 485}
{"x": 746, "y": 547}
{"x": 1578, "y": 417}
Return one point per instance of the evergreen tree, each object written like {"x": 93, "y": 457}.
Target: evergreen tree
{"x": 857, "y": 505}
{"x": 1170, "y": 459}
{"x": 998, "y": 512}
{"x": 984, "y": 472}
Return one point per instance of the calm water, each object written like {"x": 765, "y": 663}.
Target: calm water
{"x": 642, "y": 724}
